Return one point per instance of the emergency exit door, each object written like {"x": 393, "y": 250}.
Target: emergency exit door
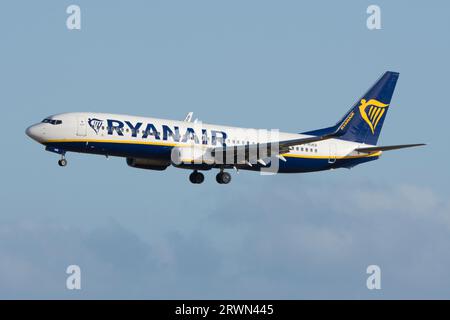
{"x": 81, "y": 127}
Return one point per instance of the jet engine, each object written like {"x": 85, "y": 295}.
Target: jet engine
{"x": 150, "y": 164}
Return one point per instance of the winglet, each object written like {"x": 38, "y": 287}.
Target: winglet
{"x": 189, "y": 117}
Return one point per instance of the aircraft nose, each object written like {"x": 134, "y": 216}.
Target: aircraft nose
{"x": 33, "y": 132}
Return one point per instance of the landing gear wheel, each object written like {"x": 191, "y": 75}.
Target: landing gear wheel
{"x": 62, "y": 162}
{"x": 196, "y": 177}
{"x": 223, "y": 177}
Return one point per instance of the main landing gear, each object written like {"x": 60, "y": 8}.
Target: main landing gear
{"x": 198, "y": 177}
{"x": 223, "y": 177}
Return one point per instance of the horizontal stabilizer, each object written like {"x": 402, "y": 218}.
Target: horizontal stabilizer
{"x": 387, "y": 148}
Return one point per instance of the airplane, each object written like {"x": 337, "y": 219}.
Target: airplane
{"x": 156, "y": 144}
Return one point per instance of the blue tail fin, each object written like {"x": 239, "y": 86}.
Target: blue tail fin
{"x": 365, "y": 119}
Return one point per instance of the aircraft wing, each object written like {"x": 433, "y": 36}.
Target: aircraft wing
{"x": 387, "y": 148}
{"x": 251, "y": 153}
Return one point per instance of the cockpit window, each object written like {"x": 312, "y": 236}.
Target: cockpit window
{"x": 52, "y": 121}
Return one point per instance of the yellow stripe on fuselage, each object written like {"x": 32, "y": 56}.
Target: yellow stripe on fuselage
{"x": 153, "y": 143}
{"x": 291, "y": 155}
{"x": 174, "y": 144}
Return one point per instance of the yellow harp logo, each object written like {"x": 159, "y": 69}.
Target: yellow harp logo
{"x": 372, "y": 111}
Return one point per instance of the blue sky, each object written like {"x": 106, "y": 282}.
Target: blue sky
{"x": 286, "y": 65}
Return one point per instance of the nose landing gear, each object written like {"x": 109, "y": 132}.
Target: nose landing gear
{"x": 62, "y": 162}
{"x": 196, "y": 177}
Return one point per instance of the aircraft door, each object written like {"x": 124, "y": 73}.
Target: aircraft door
{"x": 333, "y": 152}
{"x": 81, "y": 127}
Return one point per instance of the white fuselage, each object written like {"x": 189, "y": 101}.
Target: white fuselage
{"x": 143, "y": 137}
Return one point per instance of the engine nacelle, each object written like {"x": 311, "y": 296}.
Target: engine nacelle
{"x": 150, "y": 164}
